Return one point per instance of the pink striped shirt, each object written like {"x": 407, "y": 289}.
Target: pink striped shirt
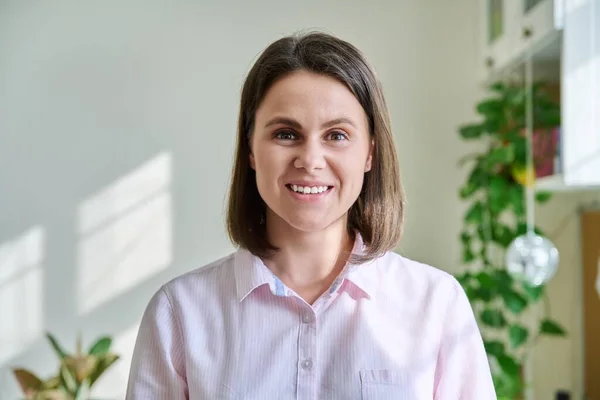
{"x": 388, "y": 329}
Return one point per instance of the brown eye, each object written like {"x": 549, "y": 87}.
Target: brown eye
{"x": 285, "y": 135}
{"x": 337, "y": 136}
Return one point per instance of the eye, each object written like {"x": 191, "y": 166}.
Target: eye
{"x": 337, "y": 136}
{"x": 285, "y": 135}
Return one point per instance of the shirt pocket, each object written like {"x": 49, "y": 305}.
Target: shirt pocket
{"x": 385, "y": 384}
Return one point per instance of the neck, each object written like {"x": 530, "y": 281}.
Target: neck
{"x": 308, "y": 262}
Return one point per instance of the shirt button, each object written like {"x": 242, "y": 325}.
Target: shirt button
{"x": 307, "y": 364}
{"x": 306, "y": 318}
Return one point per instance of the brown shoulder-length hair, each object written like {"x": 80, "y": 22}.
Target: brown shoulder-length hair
{"x": 377, "y": 215}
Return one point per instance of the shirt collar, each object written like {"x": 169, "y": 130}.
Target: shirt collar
{"x": 250, "y": 273}
{"x": 363, "y": 276}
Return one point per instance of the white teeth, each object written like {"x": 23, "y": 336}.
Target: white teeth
{"x": 308, "y": 189}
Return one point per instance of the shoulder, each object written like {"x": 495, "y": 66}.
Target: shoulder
{"x": 203, "y": 285}
{"x": 417, "y": 280}
{"x": 415, "y": 272}
{"x": 216, "y": 272}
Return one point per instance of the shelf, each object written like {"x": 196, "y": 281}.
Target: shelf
{"x": 556, "y": 183}
{"x": 546, "y": 57}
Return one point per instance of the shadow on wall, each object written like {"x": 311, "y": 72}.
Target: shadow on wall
{"x": 123, "y": 239}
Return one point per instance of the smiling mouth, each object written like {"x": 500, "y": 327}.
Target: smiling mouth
{"x": 309, "y": 189}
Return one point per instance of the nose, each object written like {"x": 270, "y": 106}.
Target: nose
{"x": 311, "y": 156}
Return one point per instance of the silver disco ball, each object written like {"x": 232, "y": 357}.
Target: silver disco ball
{"x": 532, "y": 258}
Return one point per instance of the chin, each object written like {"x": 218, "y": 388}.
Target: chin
{"x": 311, "y": 224}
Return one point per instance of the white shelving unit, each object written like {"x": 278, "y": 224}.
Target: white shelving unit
{"x": 563, "y": 37}
{"x": 556, "y": 183}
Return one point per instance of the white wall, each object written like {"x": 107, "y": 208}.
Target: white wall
{"x": 117, "y": 126}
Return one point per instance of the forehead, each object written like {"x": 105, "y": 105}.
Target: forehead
{"x": 303, "y": 94}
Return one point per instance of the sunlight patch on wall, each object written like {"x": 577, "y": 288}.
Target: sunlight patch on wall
{"x": 21, "y": 292}
{"x": 125, "y": 234}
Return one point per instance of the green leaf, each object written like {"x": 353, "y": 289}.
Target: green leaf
{"x": 476, "y": 180}
{"x": 493, "y": 124}
{"x": 517, "y": 335}
{"x": 67, "y": 380}
{"x": 509, "y": 365}
{"x": 484, "y": 294}
{"x": 468, "y": 256}
{"x": 502, "y": 278}
{"x": 485, "y": 280}
{"x": 471, "y": 131}
{"x": 498, "y": 192}
{"x": 533, "y": 292}
{"x": 543, "y": 197}
{"x": 471, "y": 294}
{"x": 498, "y": 87}
{"x": 103, "y": 364}
{"x": 52, "y": 383}
{"x": 502, "y": 235}
{"x": 493, "y": 318}
{"x": 494, "y": 347}
{"x": 517, "y": 98}
{"x": 514, "y": 301}
{"x": 491, "y": 107}
{"x": 550, "y": 327}
{"x": 475, "y": 214}
{"x": 56, "y": 346}
{"x": 82, "y": 392}
{"x": 101, "y": 347}
{"x": 508, "y": 387}
{"x": 517, "y": 199}
{"x": 547, "y": 118}
{"x": 520, "y": 144}
{"x": 467, "y": 190}
{"x": 465, "y": 237}
{"x": 501, "y": 155}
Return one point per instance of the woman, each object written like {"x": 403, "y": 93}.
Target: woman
{"x": 314, "y": 304}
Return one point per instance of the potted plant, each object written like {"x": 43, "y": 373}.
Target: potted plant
{"x": 76, "y": 374}
{"x": 495, "y": 191}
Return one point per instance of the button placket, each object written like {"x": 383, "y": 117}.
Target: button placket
{"x": 307, "y": 318}
{"x": 307, "y": 364}
{"x": 306, "y": 380}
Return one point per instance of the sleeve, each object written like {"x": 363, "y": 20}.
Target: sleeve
{"x": 158, "y": 366}
{"x": 462, "y": 370}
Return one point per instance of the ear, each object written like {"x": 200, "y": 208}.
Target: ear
{"x": 251, "y": 160}
{"x": 369, "y": 163}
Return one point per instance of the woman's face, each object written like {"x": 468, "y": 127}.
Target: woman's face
{"x": 310, "y": 149}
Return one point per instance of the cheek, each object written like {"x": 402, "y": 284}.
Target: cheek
{"x": 264, "y": 160}
{"x": 268, "y": 165}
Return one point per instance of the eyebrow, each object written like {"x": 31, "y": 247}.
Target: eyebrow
{"x": 295, "y": 124}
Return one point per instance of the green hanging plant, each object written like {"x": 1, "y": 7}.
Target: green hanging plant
{"x": 495, "y": 190}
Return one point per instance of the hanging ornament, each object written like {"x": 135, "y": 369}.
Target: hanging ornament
{"x": 532, "y": 258}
